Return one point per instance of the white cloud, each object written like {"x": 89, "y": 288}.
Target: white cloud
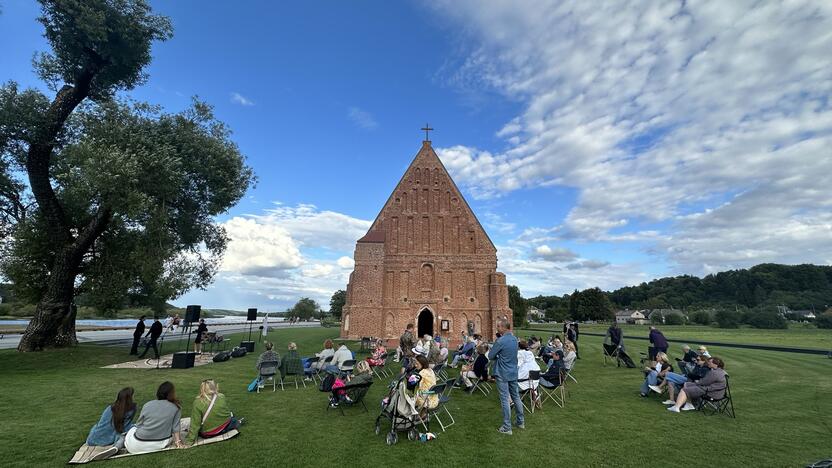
{"x": 554, "y": 255}
{"x": 346, "y": 263}
{"x": 711, "y": 119}
{"x": 282, "y": 254}
{"x": 238, "y": 98}
{"x": 362, "y": 118}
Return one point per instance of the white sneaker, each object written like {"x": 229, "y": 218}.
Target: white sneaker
{"x": 105, "y": 454}
{"x": 673, "y": 409}
{"x": 655, "y": 388}
{"x": 668, "y": 402}
{"x": 688, "y": 407}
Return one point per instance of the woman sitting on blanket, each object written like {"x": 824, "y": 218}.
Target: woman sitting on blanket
{"x": 115, "y": 421}
{"x": 377, "y": 358}
{"x": 158, "y": 424}
{"x": 211, "y": 415}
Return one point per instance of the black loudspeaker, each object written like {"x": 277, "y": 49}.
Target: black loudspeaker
{"x": 192, "y": 313}
{"x": 247, "y": 345}
{"x": 252, "y": 314}
{"x": 183, "y": 360}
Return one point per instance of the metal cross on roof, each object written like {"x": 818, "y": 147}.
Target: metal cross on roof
{"x": 427, "y": 129}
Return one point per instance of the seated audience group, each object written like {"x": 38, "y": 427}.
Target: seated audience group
{"x": 158, "y": 424}
{"x": 699, "y": 375}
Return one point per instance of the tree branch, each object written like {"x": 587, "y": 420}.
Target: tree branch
{"x": 39, "y": 156}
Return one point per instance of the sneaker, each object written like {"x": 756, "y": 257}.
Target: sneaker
{"x": 688, "y": 407}
{"x": 655, "y": 388}
{"x": 673, "y": 409}
{"x": 668, "y": 402}
{"x": 307, "y": 379}
{"x": 333, "y": 405}
{"x": 644, "y": 395}
{"x": 105, "y": 454}
{"x": 503, "y": 430}
{"x": 520, "y": 426}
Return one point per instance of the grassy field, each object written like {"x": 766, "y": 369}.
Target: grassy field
{"x": 797, "y": 335}
{"x": 49, "y": 401}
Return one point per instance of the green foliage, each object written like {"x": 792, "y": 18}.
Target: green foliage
{"x": 592, "y": 304}
{"x": 727, "y": 318}
{"x": 519, "y": 307}
{"x": 656, "y": 318}
{"x": 768, "y": 318}
{"x": 701, "y": 317}
{"x": 674, "y": 318}
{"x": 336, "y": 303}
{"x": 795, "y": 286}
{"x": 109, "y": 37}
{"x": 824, "y": 320}
{"x": 165, "y": 177}
{"x": 304, "y": 309}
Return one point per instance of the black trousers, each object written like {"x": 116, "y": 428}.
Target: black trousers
{"x": 151, "y": 342}
{"x": 135, "y": 348}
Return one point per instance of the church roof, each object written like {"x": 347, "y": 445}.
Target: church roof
{"x": 425, "y": 154}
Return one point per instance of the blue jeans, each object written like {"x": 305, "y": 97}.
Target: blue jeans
{"x": 651, "y": 379}
{"x": 506, "y": 389}
{"x": 675, "y": 378}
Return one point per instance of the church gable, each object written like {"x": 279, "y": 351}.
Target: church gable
{"x": 426, "y": 213}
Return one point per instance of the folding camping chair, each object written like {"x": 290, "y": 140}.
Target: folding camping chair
{"x": 312, "y": 366}
{"x": 356, "y": 392}
{"x": 569, "y": 373}
{"x": 552, "y": 391}
{"x": 378, "y": 371}
{"x": 439, "y": 370}
{"x": 709, "y": 405}
{"x": 442, "y": 391}
{"x": 531, "y": 394}
{"x": 295, "y": 378}
{"x": 268, "y": 370}
{"x": 347, "y": 366}
{"x": 611, "y": 352}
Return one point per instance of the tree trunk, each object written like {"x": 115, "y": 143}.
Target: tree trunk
{"x": 54, "y": 322}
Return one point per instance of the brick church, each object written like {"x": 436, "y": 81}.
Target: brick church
{"x": 426, "y": 260}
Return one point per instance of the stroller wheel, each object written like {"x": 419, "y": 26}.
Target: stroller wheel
{"x": 392, "y": 438}
{"x": 412, "y": 434}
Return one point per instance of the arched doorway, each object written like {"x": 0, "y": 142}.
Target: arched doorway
{"x": 425, "y": 323}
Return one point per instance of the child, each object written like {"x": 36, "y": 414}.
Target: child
{"x": 361, "y": 374}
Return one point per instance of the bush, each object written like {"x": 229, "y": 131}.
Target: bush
{"x": 701, "y": 317}
{"x": 824, "y": 320}
{"x": 656, "y": 318}
{"x": 727, "y": 318}
{"x": 5, "y": 310}
{"x": 769, "y": 319}
{"x": 674, "y": 319}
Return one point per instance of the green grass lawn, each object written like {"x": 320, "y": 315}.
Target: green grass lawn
{"x": 49, "y": 400}
{"x": 797, "y": 335}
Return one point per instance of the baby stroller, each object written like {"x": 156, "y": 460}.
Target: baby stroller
{"x": 399, "y": 406}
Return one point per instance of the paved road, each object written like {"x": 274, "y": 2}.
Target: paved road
{"x": 123, "y": 337}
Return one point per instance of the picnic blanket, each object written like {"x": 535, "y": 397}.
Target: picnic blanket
{"x": 86, "y": 453}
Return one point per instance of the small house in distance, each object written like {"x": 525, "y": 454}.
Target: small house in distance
{"x": 633, "y": 317}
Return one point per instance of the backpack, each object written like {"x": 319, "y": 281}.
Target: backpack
{"x": 222, "y": 357}
{"x": 327, "y": 382}
{"x": 238, "y": 352}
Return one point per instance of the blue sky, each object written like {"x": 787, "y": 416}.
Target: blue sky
{"x": 598, "y": 145}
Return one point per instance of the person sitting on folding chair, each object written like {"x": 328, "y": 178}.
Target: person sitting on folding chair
{"x": 525, "y": 363}
{"x": 465, "y": 351}
{"x": 291, "y": 364}
{"x": 554, "y": 373}
{"x": 479, "y": 370}
{"x": 424, "y": 399}
{"x": 377, "y": 359}
{"x": 361, "y": 375}
{"x": 569, "y": 355}
{"x": 674, "y": 381}
{"x": 656, "y": 370}
{"x": 269, "y": 355}
{"x": 713, "y": 385}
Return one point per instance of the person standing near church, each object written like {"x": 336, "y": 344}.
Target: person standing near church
{"x": 504, "y": 355}
{"x": 406, "y": 344}
{"x": 155, "y": 332}
{"x": 137, "y": 336}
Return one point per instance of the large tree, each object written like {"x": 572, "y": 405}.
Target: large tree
{"x": 337, "y": 302}
{"x": 518, "y": 305}
{"x": 304, "y": 309}
{"x": 125, "y": 195}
